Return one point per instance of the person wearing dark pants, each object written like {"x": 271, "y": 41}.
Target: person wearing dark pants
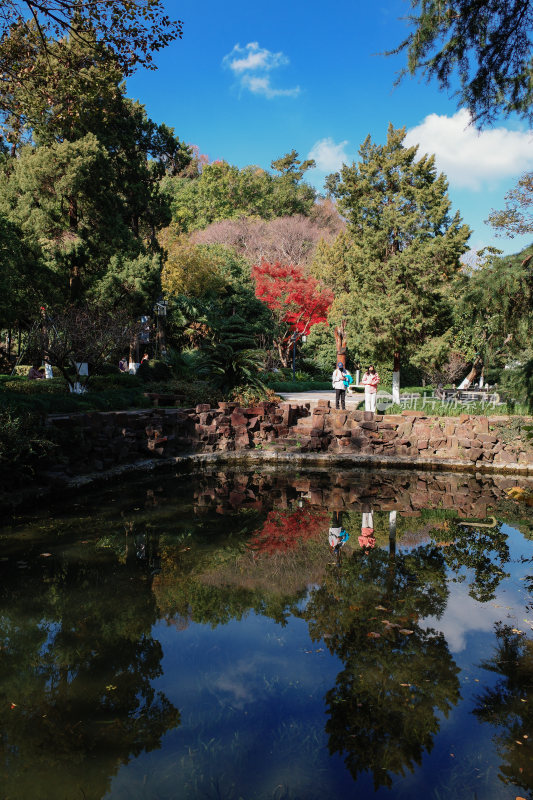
{"x": 337, "y": 382}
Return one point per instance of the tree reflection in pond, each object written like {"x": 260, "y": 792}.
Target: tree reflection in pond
{"x": 483, "y": 550}
{"x": 239, "y": 578}
{"x": 397, "y": 676}
{"x": 77, "y": 661}
{"x": 508, "y": 705}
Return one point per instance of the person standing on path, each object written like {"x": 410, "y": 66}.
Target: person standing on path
{"x": 370, "y": 381}
{"x": 337, "y": 382}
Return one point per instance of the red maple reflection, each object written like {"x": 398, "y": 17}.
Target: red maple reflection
{"x": 282, "y": 531}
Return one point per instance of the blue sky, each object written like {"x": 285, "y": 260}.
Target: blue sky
{"x": 250, "y": 81}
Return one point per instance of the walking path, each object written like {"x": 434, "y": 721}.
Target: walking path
{"x": 352, "y": 401}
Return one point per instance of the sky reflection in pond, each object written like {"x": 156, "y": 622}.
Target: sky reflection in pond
{"x": 181, "y": 637}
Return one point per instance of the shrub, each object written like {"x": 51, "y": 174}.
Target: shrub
{"x": 117, "y": 380}
{"x": 300, "y": 386}
{"x": 154, "y": 370}
{"x": 25, "y": 386}
{"x": 247, "y": 396}
{"x": 22, "y": 369}
{"x": 24, "y": 441}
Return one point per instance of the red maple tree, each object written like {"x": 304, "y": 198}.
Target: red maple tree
{"x": 297, "y": 299}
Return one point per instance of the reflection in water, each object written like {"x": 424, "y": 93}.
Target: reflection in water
{"x": 337, "y": 535}
{"x": 89, "y": 684}
{"x": 397, "y": 675}
{"x": 508, "y": 705}
{"x": 77, "y": 665}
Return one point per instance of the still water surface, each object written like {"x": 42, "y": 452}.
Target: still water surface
{"x": 198, "y": 637}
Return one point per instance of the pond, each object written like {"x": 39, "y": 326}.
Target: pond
{"x": 198, "y": 636}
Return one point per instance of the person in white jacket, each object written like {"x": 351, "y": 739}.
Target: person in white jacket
{"x": 370, "y": 381}
{"x": 337, "y": 382}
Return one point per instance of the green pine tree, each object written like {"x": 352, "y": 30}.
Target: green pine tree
{"x": 404, "y": 250}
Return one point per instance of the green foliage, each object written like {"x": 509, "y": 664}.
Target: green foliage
{"x": 24, "y": 441}
{"x": 85, "y": 193}
{"x": 107, "y": 400}
{"x": 24, "y": 280}
{"x": 299, "y": 385}
{"x": 231, "y": 360}
{"x": 401, "y": 250}
{"x": 154, "y": 370}
{"x": 495, "y": 307}
{"x": 192, "y": 391}
{"x": 518, "y": 383}
{"x": 115, "y": 380}
{"x": 320, "y": 347}
{"x": 223, "y": 191}
{"x": 34, "y": 387}
{"x": 132, "y": 34}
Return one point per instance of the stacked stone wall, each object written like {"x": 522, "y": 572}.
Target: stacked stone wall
{"x": 96, "y": 442}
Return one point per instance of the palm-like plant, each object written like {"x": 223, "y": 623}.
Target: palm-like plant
{"x": 233, "y": 360}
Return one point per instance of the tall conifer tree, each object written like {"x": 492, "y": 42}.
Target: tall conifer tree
{"x": 405, "y": 248}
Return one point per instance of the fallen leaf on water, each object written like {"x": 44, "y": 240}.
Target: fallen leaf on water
{"x": 404, "y": 630}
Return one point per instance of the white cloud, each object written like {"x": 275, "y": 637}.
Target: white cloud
{"x": 329, "y": 156}
{"x": 252, "y": 64}
{"x": 252, "y": 57}
{"x": 261, "y": 85}
{"x": 469, "y": 158}
{"x": 463, "y": 616}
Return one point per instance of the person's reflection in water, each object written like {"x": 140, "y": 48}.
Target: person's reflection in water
{"x": 367, "y": 539}
{"x": 140, "y": 546}
{"x": 337, "y": 535}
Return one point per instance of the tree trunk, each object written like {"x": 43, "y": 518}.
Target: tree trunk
{"x": 396, "y": 378}
{"x": 340, "y": 341}
{"x": 470, "y": 378}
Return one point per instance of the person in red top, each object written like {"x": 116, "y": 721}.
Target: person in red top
{"x": 370, "y": 381}
{"x": 367, "y": 538}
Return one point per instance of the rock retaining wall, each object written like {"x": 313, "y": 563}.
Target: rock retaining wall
{"x": 96, "y": 442}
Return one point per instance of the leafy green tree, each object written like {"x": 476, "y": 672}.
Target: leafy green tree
{"x": 57, "y": 196}
{"x": 88, "y": 193}
{"x": 223, "y": 191}
{"x": 404, "y": 249}
{"x": 495, "y": 309}
{"x": 24, "y": 280}
{"x": 487, "y": 45}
